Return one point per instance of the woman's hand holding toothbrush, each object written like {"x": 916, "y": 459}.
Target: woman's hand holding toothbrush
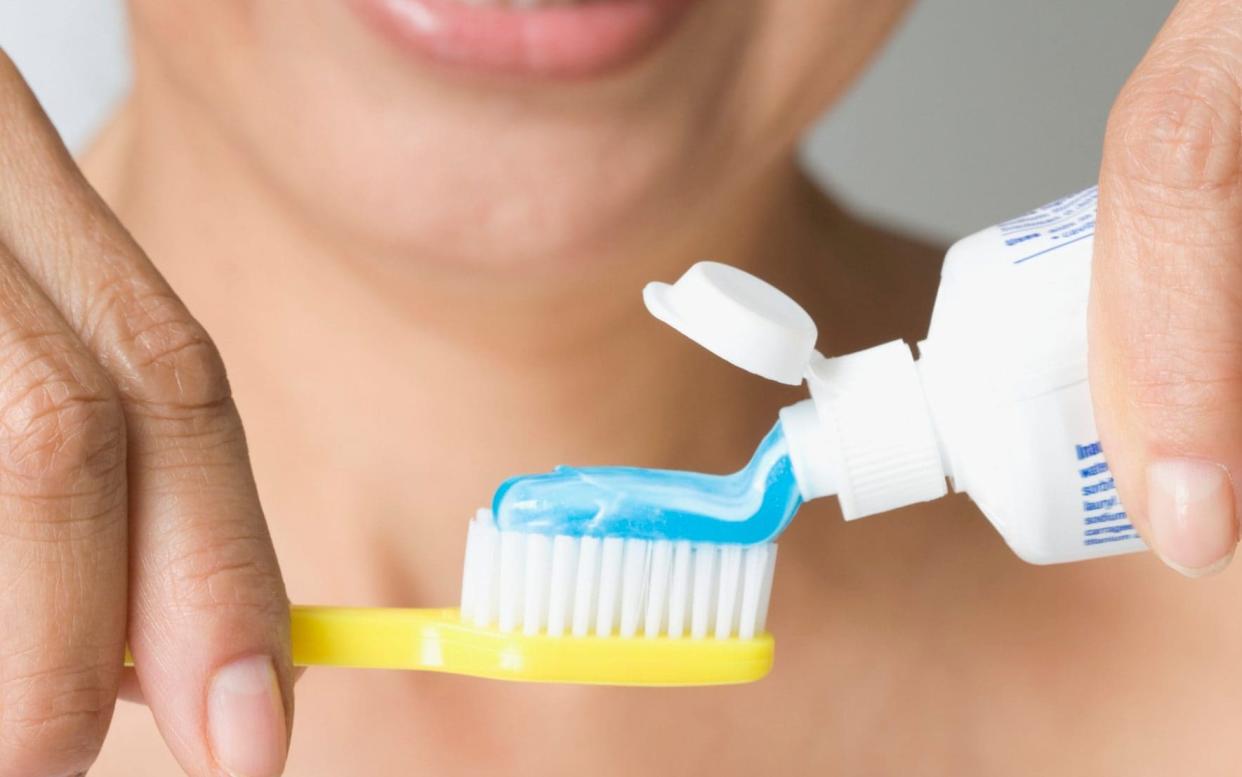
{"x": 1166, "y": 303}
{"x": 128, "y": 513}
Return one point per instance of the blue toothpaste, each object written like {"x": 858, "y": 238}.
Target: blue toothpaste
{"x": 750, "y": 506}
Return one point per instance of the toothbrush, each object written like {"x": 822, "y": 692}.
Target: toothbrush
{"x": 609, "y": 575}
{"x": 583, "y": 610}
{"x": 586, "y": 610}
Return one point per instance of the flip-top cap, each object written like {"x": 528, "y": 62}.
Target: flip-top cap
{"x": 740, "y": 318}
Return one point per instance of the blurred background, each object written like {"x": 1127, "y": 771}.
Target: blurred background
{"x": 976, "y": 111}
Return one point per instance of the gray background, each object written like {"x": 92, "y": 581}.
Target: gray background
{"x": 977, "y": 110}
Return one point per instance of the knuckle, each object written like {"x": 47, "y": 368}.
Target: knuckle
{"x": 53, "y": 719}
{"x": 171, "y": 362}
{"x": 231, "y": 570}
{"x": 1177, "y": 128}
{"x": 61, "y": 426}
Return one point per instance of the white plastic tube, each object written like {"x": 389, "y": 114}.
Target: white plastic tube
{"x": 1004, "y": 368}
{"x": 997, "y": 401}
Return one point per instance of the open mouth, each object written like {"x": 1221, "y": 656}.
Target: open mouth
{"x": 550, "y": 38}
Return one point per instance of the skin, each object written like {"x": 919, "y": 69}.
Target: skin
{"x": 405, "y": 322}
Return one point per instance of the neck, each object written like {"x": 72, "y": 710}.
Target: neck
{"x": 386, "y": 397}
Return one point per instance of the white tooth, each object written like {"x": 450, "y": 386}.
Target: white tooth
{"x": 418, "y": 15}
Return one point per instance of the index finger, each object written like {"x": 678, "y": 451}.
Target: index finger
{"x": 209, "y": 622}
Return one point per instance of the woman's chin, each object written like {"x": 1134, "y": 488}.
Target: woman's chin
{"x": 500, "y": 210}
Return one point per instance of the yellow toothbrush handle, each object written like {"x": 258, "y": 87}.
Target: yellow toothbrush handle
{"x": 370, "y": 637}
{"x": 439, "y": 640}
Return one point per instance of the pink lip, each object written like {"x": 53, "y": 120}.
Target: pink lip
{"x": 563, "y": 41}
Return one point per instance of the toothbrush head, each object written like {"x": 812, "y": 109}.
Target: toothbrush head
{"x": 632, "y": 611}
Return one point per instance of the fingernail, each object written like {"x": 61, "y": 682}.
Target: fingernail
{"x": 1191, "y": 508}
{"x": 246, "y": 718}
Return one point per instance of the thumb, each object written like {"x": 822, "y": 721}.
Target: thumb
{"x": 1166, "y": 296}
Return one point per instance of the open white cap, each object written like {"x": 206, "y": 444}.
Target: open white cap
{"x": 738, "y": 317}
{"x": 866, "y": 434}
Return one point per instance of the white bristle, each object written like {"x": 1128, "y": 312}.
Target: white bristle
{"x": 587, "y": 581}
{"x": 756, "y": 568}
{"x": 486, "y": 572}
{"x": 726, "y": 591}
{"x": 560, "y": 594}
{"x": 588, "y": 586}
{"x": 609, "y": 585}
{"x": 535, "y": 587}
{"x": 703, "y": 597}
{"x": 633, "y": 585}
{"x": 469, "y": 577}
{"x": 512, "y": 558}
{"x": 657, "y": 588}
{"x": 766, "y": 596}
{"x": 679, "y": 589}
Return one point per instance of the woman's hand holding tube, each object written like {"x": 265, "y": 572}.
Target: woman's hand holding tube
{"x": 128, "y": 512}
{"x": 1166, "y": 297}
